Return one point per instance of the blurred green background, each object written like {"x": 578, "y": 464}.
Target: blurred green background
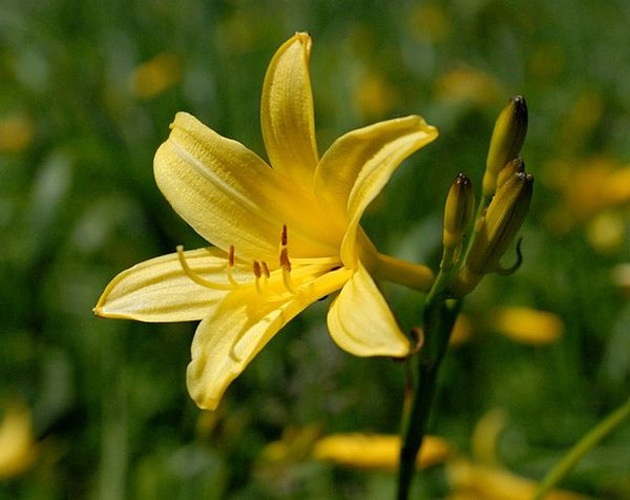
{"x": 87, "y": 91}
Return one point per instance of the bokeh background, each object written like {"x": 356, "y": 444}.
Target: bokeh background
{"x": 100, "y": 408}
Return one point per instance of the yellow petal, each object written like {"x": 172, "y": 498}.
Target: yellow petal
{"x": 231, "y": 197}
{"x": 358, "y": 165}
{"x": 238, "y": 328}
{"x": 287, "y": 116}
{"x": 361, "y": 322}
{"x": 158, "y": 290}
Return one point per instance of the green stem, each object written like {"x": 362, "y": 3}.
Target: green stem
{"x": 582, "y": 447}
{"x": 439, "y": 317}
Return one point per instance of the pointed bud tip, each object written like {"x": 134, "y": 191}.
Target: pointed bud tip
{"x": 458, "y": 211}
{"x": 520, "y": 105}
{"x": 462, "y": 179}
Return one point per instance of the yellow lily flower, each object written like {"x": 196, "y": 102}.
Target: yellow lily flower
{"x": 283, "y": 236}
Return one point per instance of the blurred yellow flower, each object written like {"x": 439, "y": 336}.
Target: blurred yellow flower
{"x": 468, "y": 479}
{"x": 462, "y": 330}
{"x": 376, "y": 451}
{"x": 580, "y": 121}
{"x": 587, "y": 188}
{"x": 17, "y": 443}
{"x": 468, "y": 84}
{"x": 483, "y": 478}
{"x": 156, "y": 75}
{"x": 16, "y": 133}
{"x": 480, "y": 478}
{"x": 596, "y": 185}
{"x": 374, "y": 97}
{"x": 606, "y": 231}
{"x": 295, "y": 445}
{"x": 471, "y": 481}
{"x": 284, "y": 237}
{"x": 621, "y": 277}
{"x": 529, "y": 326}
{"x": 429, "y": 23}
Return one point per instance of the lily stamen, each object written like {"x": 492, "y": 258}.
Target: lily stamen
{"x": 284, "y": 237}
{"x": 265, "y": 269}
{"x": 230, "y": 266}
{"x": 196, "y": 277}
{"x": 258, "y": 273}
{"x": 285, "y": 264}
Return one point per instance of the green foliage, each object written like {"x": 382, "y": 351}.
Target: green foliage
{"x": 78, "y": 204}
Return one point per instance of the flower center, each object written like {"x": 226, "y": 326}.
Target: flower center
{"x": 274, "y": 283}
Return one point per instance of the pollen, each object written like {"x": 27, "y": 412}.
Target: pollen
{"x": 285, "y": 263}
{"x": 257, "y": 269}
{"x": 284, "y": 238}
{"x": 230, "y": 267}
{"x": 265, "y": 269}
{"x": 261, "y": 276}
{"x": 270, "y": 284}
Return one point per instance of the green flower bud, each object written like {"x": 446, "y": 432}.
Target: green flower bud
{"x": 460, "y": 204}
{"x": 506, "y": 142}
{"x": 513, "y": 167}
{"x": 496, "y": 230}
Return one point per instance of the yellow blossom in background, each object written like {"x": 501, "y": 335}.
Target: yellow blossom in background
{"x": 374, "y": 97}
{"x": 595, "y": 185}
{"x": 296, "y": 444}
{"x": 16, "y": 133}
{"x": 587, "y": 188}
{"x": 429, "y": 23}
{"x": 471, "y": 481}
{"x": 606, "y": 231}
{"x": 526, "y": 325}
{"x": 17, "y": 442}
{"x": 153, "y": 77}
{"x": 470, "y": 85}
{"x": 521, "y": 324}
{"x": 376, "y": 451}
{"x": 580, "y": 121}
{"x": 285, "y": 233}
{"x": 483, "y": 442}
{"x": 621, "y": 277}
{"x": 483, "y": 478}
{"x": 462, "y": 330}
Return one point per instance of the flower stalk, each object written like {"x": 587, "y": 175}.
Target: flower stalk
{"x": 506, "y": 196}
{"x": 581, "y": 448}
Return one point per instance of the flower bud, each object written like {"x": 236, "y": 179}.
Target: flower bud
{"x": 506, "y": 142}
{"x": 496, "y": 230}
{"x": 517, "y": 165}
{"x": 460, "y": 204}
{"x": 503, "y": 220}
